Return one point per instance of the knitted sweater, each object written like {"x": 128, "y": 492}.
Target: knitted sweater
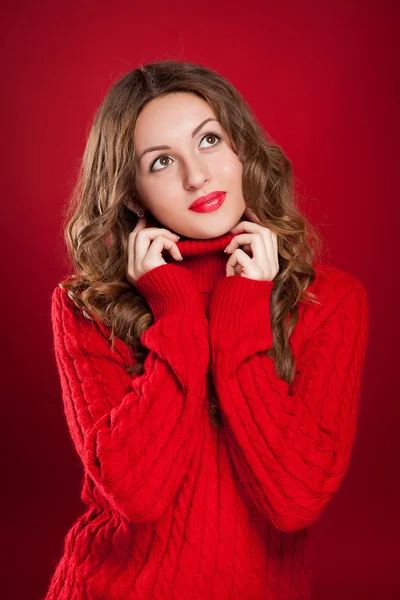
{"x": 178, "y": 509}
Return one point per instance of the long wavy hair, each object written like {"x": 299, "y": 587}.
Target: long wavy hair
{"x": 97, "y": 221}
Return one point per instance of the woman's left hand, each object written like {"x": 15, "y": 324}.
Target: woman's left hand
{"x": 263, "y": 265}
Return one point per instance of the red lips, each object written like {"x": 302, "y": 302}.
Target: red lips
{"x": 210, "y": 205}
{"x": 202, "y": 199}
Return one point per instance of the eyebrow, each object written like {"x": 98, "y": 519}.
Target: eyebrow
{"x": 194, "y": 132}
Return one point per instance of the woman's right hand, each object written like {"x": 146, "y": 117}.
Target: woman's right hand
{"x": 145, "y": 245}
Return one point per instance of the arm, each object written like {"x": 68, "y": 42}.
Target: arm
{"x": 136, "y": 434}
{"x": 290, "y": 446}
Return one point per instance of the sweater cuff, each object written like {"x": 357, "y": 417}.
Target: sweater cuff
{"x": 169, "y": 287}
{"x": 241, "y": 305}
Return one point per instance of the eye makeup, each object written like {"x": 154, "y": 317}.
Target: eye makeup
{"x": 211, "y": 133}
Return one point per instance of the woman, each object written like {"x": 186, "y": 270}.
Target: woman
{"x": 212, "y": 396}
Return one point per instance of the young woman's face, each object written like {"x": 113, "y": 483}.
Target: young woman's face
{"x": 190, "y": 168}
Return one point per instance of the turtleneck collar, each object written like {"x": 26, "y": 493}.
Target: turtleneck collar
{"x": 204, "y": 257}
{"x": 197, "y": 247}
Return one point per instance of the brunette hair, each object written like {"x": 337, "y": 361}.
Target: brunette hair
{"x": 97, "y": 221}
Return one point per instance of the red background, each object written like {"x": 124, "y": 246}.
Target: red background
{"x": 321, "y": 80}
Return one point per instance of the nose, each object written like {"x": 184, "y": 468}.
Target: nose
{"x": 196, "y": 174}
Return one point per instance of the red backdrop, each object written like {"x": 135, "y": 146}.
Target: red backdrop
{"x": 321, "y": 80}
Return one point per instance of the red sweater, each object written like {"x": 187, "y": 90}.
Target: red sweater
{"x": 177, "y": 509}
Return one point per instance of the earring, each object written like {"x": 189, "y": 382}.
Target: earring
{"x": 134, "y": 205}
{"x": 139, "y": 212}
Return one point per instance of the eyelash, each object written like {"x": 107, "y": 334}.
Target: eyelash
{"x": 217, "y": 135}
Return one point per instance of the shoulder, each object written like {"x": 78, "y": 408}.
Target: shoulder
{"x": 84, "y": 335}
{"x": 332, "y": 284}
{"x": 62, "y": 301}
{"x": 67, "y": 317}
{"x": 64, "y": 307}
{"x": 332, "y": 288}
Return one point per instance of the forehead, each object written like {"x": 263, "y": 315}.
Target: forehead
{"x": 168, "y": 117}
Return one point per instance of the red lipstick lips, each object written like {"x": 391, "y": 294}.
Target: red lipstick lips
{"x": 208, "y": 203}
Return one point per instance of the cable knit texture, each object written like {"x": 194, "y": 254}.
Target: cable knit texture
{"x": 177, "y": 509}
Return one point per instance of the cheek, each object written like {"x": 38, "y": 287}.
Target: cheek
{"x": 232, "y": 167}
{"x": 151, "y": 189}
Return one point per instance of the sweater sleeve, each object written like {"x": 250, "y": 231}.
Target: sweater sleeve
{"x": 136, "y": 434}
{"x": 290, "y": 445}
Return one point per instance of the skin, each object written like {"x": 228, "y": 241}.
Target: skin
{"x": 192, "y": 167}
{"x": 253, "y": 250}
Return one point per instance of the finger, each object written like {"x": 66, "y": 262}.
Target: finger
{"x": 265, "y": 232}
{"x": 162, "y": 231}
{"x": 245, "y": 245}
{"x": 258, "y": 248}
{"x": 269, "y": 247}
{"x": 153, "y": 231}
{"x": 247, "y": 226}
{"x": 248, "y": 239}
{"x": 141, "y": 224}
{"x": 161, "y": 243}
{"x": 239, "y": 259}
{"x": 239, "y": 227}
{"x": 238, "y": 240}
{"x": 269, "y": 236}
{"x": 142, "y": 241}
{"x": 259, "y": 254}
{"x": 274, "y": 236}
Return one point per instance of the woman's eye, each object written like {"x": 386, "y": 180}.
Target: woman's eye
{"x": 212, "y": 135}
{"x": 155, "y": 161}
{"x": 208, "y": 135}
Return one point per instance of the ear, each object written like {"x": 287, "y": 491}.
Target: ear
{"x": 129, "y": 204}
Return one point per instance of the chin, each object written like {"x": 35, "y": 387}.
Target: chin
{"x": 213, "y": 229}
{"x": 211, "y": 233}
